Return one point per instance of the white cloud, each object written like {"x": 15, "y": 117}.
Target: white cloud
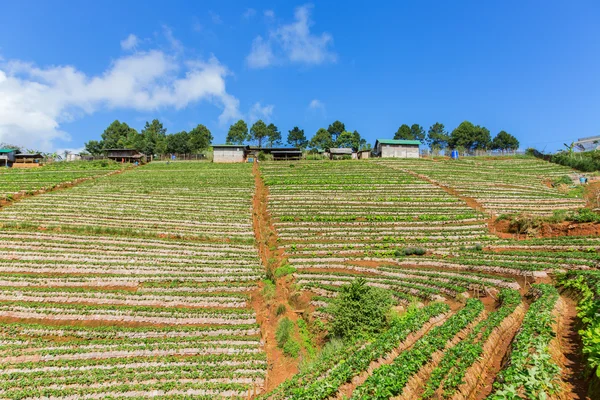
{"x": 316, "y": 105}
{"x": 269, "y": 13}
{"x": 176, "y": 45}
{"x": 249, "y": 13}
{"x": 260, "y": 112}
{"x": 292, "y": 43}
{"x": 261, "y": 55}
{"x": 130, "y": 42}
{"x": 216, "y": 18}
{"x": 35, "y": 101}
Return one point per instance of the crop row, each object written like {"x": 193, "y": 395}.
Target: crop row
{"x": 188, "y": 199}
{"x": 389, "y": 380}
{"x": 531, "y": 371}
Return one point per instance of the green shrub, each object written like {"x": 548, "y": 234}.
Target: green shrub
{"x": 419, "y": 251}
{"x": 359, "y": 310}
{"x": 285, "y": 341}
{"x": 281, "y": 309}
{"x": 563, "y": 180}
{"x": 284, "y": 331}
{"x": 291, "y": 348}
{"x": 268, "y": 291}
{"x": 583, "y": 215}
{"x": 284, "y": 270}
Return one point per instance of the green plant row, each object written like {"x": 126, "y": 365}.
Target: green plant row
{"x": 450, "y": 372}
{"x": 530, "y": 372}
{"x": 358, "y": 361}
{"x": 389, "y": 380}
{"x": 587, "y": 286}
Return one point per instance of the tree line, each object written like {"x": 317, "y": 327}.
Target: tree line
{"x": 153, "y": 139}
{"x": 335, "y": 135}
{"x": 466, "y": 137}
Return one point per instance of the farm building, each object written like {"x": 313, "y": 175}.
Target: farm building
{"x": 394, "y": 148}
{"x": 278, "y": 153}
{"x": 341, "y": 152}
{"x": 28, "y": 158}
{"x": 125, "y": 155}
{"x": 229, "y": 153}
{"x": 73, "y": 157}
{"x": 7, "y": 157}
{"x": 240, "y": 153}
{"x": 363, "y": 154}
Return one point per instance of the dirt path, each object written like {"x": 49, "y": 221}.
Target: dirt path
{"x": 570, "y": 346}
{"x": 280, "y": 367}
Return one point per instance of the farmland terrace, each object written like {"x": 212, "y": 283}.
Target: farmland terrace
{"x": 171, "y": 281}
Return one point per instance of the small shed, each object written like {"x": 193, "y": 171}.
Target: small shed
{"x": 7, "y": 157}
{"x": 341, "y": 152}
{"x": 229, "y": 153}
{"x": 363, "y": 154}
{"x": 125, "y": 155}
{"x": 28, "y": 158}
{"x": 397, "y": 148}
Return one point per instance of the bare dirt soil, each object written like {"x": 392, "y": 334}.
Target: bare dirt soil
{"x": 280, "y": 367}
{"x": 570, "y": 347}
{"x": 566, "y": 228}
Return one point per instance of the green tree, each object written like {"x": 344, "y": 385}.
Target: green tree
{"x": 199, "y": 139}
{"x": 154, "y": 138}
{"x": 238, "y": 133}
{"x": 259, "y": 131}
{"x": 417, "y": 132}
{"x": 297, "y": 138}
{"x": 274, "y": 136}
{"x": 336, "y": 129}
{"x": 504, "y": 141}
{"x": 360, "y": 310}
{"x": 178, "y": 143}
{"x": 470, "y": 137}
{"x": 352, "y": 140}
{"x": 322, "y": 140}
{"x": 94, "y": 147}
{"x": 437, "y": 137}
{"x": 345, "y": 139}
{"x": 120, "y": 135}
{"x": 403, "y": 133}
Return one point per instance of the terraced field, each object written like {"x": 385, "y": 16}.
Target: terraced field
{"x": 130, "y": 312}
{"x": 501, "y": 187}
{"x": 419, "y": 229}
{"x": 15, "y": 182}
{"x": 149, "y": 283}
{"x": 183, "y": 199}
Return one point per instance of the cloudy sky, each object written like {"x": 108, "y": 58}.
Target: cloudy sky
{"x": 69, "y": 68}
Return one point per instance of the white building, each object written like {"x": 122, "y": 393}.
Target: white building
{"x": 396, "y": 148}
{"x": 229, "y": 153}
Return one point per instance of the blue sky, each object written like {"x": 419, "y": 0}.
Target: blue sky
{"x": 69, "y": 68}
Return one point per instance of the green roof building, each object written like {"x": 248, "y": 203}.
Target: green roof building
{"x": 397, "y": 148}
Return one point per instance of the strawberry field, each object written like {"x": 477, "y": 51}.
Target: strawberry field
{"x": 193, "y": 279}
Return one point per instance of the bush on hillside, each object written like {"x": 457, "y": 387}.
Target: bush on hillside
{"x": 360, "y": 310}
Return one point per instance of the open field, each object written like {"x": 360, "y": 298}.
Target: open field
{"x": 152, "y": 283}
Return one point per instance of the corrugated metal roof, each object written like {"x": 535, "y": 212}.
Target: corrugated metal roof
{"x": 7, "y": 150}
{"x": 229, "y": 145}
{"x": 399, "y": 141}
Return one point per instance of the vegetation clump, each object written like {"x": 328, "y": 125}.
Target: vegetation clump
{"x": 360, "y": 310}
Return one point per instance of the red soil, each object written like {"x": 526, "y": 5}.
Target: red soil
{"x": 280, "y": 367}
